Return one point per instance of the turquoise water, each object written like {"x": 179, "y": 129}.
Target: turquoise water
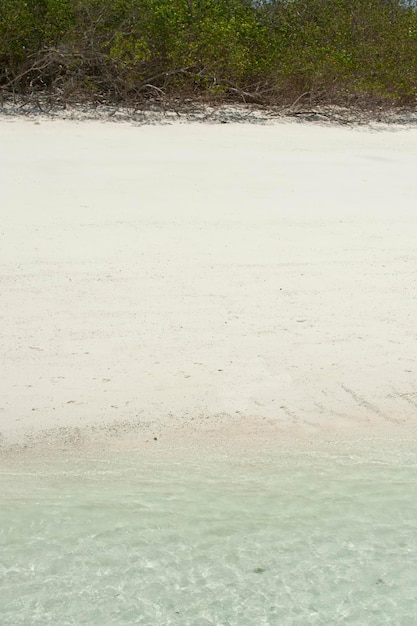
{"x": 292, "y": 538}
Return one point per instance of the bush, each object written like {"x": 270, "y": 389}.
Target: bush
{"x": 280, "y": 51}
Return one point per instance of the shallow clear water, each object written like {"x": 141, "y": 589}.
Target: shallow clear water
{"x": 293, "y": 538}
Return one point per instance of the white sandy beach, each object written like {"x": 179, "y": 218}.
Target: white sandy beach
{"x": 197, "y": 278}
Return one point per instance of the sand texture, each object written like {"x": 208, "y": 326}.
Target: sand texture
{"x": 203, "y": 276}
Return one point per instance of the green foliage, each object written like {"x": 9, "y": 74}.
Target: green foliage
{"x": 338, "y": 51}
{"x": 26, "y": 26}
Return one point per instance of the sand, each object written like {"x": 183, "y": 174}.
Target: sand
{"x": 244, "y": 282}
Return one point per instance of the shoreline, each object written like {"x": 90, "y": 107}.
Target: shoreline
{"x": 267, "y": 449}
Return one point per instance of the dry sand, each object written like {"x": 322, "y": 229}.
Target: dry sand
{"x": 207, "y": 282}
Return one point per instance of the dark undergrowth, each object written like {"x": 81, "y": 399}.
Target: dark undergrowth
{"x": 283, "y": 52}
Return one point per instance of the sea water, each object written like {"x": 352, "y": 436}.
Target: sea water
{"x": 290, "y": 538}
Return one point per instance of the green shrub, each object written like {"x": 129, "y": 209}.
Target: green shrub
{"x": 280, "y": 51}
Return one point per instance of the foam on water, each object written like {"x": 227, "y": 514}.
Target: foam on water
{"x": 302, "y": 538}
